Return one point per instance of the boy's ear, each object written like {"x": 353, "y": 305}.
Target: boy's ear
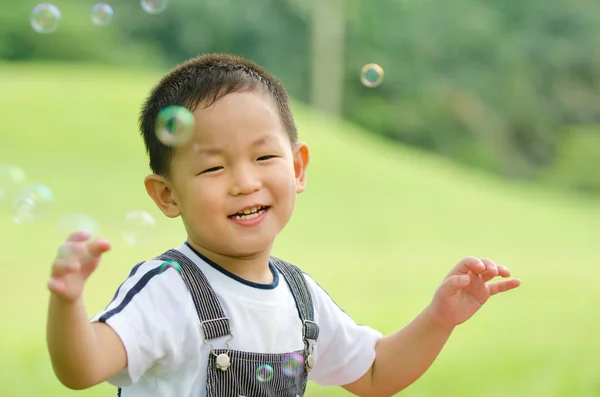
{"x": 161, "y": 191}
{"x": 301, "y": 158}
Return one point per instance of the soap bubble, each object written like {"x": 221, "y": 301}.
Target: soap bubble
{"x": 12, "y": 179}
{"x": 77, "y": 222}
{"x": 24, "y": 210}
{"x": 45, "y": 18}
{"x": 154, "y": 6}
{"x": 175, "y": 126}
{"x": 166, "y": 265}
{"x": 371, "y": 75}
{"x": 138, "y": 227}
{"x": 264, "y": 373}
{"x": 41, "y": 195}
{"x": 293, "y": 364}
{"x": 102, "y": 14}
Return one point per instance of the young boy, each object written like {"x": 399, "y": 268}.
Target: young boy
{"x": 228, "y": 319}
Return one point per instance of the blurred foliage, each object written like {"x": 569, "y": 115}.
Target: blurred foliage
{"x": 490, "y": 84}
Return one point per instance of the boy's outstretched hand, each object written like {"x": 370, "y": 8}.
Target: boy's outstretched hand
{"x": 76, "y": 259}
{"x": 465, "y": 289}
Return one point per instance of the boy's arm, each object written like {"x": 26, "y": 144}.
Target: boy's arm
{"x": 401, "y": 358}
{"x": 83, "y": 354}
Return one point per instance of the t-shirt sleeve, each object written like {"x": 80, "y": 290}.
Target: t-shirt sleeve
{"x": 345, "y": 350}
{"x": 146, "y": 313}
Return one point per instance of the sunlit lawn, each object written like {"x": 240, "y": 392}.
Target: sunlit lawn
{"x": 378, "y": 227}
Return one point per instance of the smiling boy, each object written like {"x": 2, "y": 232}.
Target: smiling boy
{"x": 234, "y": 320}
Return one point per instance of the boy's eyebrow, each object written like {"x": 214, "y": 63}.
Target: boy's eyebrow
{"x": 215, "y": 151}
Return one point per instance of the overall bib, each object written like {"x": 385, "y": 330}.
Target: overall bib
{"x": 233, "y": 373}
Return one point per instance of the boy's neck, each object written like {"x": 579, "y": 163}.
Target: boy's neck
{"x": 253, "y": 268}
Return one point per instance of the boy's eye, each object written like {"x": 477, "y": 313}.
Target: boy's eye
{"x": 263, "y": 158}
{"x": 213, "y": 169}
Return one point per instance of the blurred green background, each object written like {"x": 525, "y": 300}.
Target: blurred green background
{"x": 483, "y": 140}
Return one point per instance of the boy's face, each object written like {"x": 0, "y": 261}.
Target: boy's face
{"x": 240, "y": 158}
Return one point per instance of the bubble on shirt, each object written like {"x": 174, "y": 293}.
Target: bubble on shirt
{"x": 138, "y": 227}
{"x": 154, "y": 6}
{"x": 175, "y": 126}
{"x": 293, "y": 364}
{"x": 102, "y": 14}
{"x": 264, "y": 373}
{"x": 166, "y": 265}
{"x": 45, "y": 18}
{"x": 371, "y": 75}
{"x": 12, "y": 179}
{"x": 78, "y": 222}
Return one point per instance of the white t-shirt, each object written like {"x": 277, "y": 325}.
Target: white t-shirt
{"x": 154, "y": 315}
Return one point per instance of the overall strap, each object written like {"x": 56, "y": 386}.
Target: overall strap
{"x": 213, "y": 321}
{"x": 295, "y": 278}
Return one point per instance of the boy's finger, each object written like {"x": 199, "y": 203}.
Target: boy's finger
{"x": 64, "y": 266}
{"x": 56, "y": 286}
{"x": 503, "y": 271}
{"x": 470, "y": 264}
{"x": 98, "y": 247}
{"x": 491, "y": 270}
{"x": 79, "y": 236}
{"x": 453, "y": 284}
{"x": 503, "y": 286}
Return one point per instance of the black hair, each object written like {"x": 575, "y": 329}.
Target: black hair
{"x": 203, "y": 80}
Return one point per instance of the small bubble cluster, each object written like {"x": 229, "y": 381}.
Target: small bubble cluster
{"x": 175, "y": 126}
{"x": 264, "y": 373}
{"x": 32, "y": 202}
{"x": 371, "y": 75}
{"x": 45, "y": 17}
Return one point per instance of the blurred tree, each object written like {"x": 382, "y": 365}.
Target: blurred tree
{"x": 487, "y": 83}
{"x": 328, "y": 25}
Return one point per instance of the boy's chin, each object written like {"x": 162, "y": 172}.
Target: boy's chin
{"x": 251, "y": 248}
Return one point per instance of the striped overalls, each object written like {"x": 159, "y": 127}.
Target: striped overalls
{"x": 234, "y": 373}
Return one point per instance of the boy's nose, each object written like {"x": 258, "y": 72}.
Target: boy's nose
{"x": 245, "y": 181}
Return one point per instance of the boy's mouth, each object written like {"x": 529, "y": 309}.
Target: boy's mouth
{"x": 249, "y": 213}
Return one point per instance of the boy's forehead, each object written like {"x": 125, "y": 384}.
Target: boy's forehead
{"x": 254, "y": 113}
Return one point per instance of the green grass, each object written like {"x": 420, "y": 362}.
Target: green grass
{"x": 379, "y": 226}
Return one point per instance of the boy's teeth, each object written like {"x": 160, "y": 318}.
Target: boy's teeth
{"x": 250, "y": 211}
{"x": 249, "y": 214}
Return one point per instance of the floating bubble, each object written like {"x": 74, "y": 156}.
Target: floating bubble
{"x": 154, "y": 6}
{"x": 71, "y": 223}
{"x": 24, "y": 210}
{"x": 138, "y": 227}
{"x": 102, "y": 14}
{"x": 41, "y": 195}
{"x": 45, "y": 18}
{"x": 12, "y": 179}
{"x": 264, "y": 373}
{"x": 166, "y": 265}
{"x": 175, "y": 126}
{"x": 371, "y": 75}
{"x": 293, "y": 364}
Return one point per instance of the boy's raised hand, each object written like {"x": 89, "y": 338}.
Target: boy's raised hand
{"x": 76, "y": 259}
{"x": 465, "y": 289}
